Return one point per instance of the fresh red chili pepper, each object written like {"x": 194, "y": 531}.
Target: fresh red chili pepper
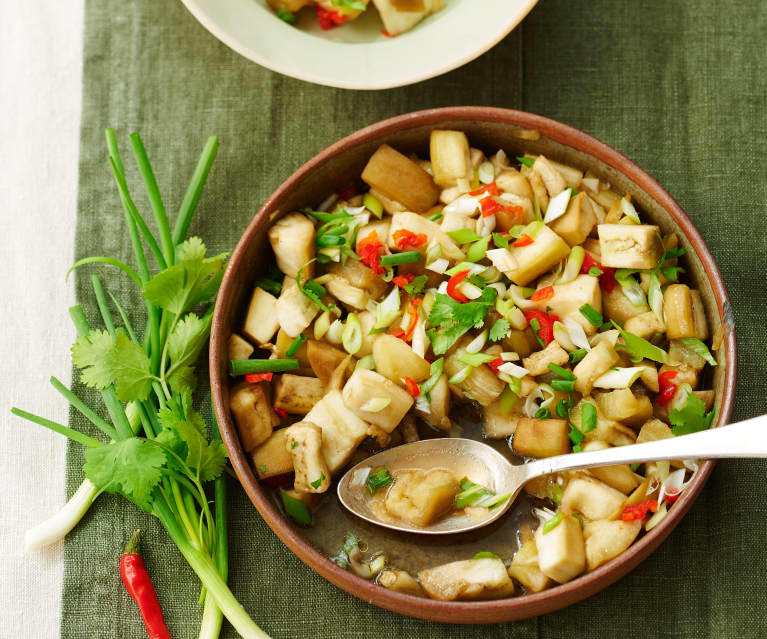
{"x": 329, "y": 19}
{"x": 252, "y": 378}
{"x": 607, "y": 279}
{"x": 490, "y": 189}
{"x": 546, "y": 322}
{"x": 348, "y": 192}
{"x": 667, "y": 387}
{"x": 670, "y": 498}
{"x": 496, "y": 364}
{"x": 387, "y": 34}
{"x": 139, "y": 586}
{"x": 397, "y": 332}
{"x": 542, "y": 294}
{"x": 452, "y": 286}
{"x": 404, "y": 238}
{"x": 412, "y": 387}
{"x": 640, "y": 510}
{"x": 489, "y": 207}
{"x": 412, "y": 310}
{"x": 281, "y": 412}
{"x": 368, "y": 249}
{"x": 524, "y": 240}
{"x": 403, "y": 280}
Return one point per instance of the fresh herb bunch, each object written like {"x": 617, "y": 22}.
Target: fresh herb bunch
{"x": 158, "y": 455}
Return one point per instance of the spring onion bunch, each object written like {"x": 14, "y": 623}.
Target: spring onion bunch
{"x": 155, "y": 451}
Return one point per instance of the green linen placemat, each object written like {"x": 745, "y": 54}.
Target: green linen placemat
{"x": 679, "y": 87}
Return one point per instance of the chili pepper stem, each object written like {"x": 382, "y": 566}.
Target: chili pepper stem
{"x": 134, "y": 544}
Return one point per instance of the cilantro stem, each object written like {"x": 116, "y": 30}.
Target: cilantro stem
{"x": 85, "y": 410}
{"x": 59, "y": 428}
{"x": 155, "y": 199}
{"x": 124, "y": 317}
{"x": 194, "y": 190}
{"x": 101, "y": 300}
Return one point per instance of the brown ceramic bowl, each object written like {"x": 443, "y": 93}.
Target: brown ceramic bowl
{"x": 490, "y": 129}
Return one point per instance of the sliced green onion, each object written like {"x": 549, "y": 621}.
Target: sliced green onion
{"x": 573, "y": 265}
{"x": 464, "y": 236}
{"x": 436, "y": 217}
{"x": 373, "y": 205}
{"x": 629, "y": 211}
{"x": 247, "y": 366}
{"x": 293, "y": 348}
{"x": 328, "y": 217}
{"x": 478, "y": 496}
{"x": 388, "y": 310}
{"x": 286, "y": 16}
{"x": 296, "y": 509}
{"x": 486, "y": 172}
{"x": 478, "y": 343}
{"x": 595, "y": 272}
{"x": 699, "y": 348}
{"x": 376, "y": 404}
{"x": 556, "y": 494}
{"x": 329, "y": 239}
{"x": 552, "y": 523}
{"x": 475, "y": 359}
{"x": 526, "y": 161}
{"x": 366, "y": 362}
{"x": 576, "y": 333}
{"x": 564, "y": 385}
{"x": 591, "y": 314}
{"x": 318, "y": 482}
{"x": 576, "y": 436}
{"x": 377, "y": 564}
{"x": 321, "y": 325}
{"x": 640, "y": 348}
{"x": 435, "y": 373}
{"x": 268, "y": 284}
{"x": 378, "y": 480}
{"x": 543, "y": 413}
{"x": 619, "y": 377}
{"x": 395, "y": 259}
{"x": 563, "y": 409}
{"x": 501, "y": 241}
{"x": 515, "y": 385}
{"x": 460, "y": 376}
{"x": 352, "y": 335}
{"x": 562, "y": 372}
{"x": 588, "y": 418}
{"x": 631, "y": 288}
{"x": 478, "y": 250}
{"x": 485, "y": 554}
{"x": 507, "y": 401}
{"x": 557, "y": 206}
{"x": 311, "y": 289}
{"x": 655, "y": 297}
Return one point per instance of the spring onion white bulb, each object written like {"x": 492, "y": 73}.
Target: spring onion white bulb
{"x": 56, "y": 527}
{"x": 577, "y": 334}
{"x": 557, "y": 206}
{"x": 422, "y": 404}
{"x": 377, "y": 564}
{"x": 680, "y": 397}
{"x": 658, "y": 517}
{"x": 388, "y": 310}
{"x": 591, "y": 183}
{"x": 327, "y": 203}
{"x": 573, "y": 265}
{"x": 442, "y": 289}
{"x": 321, "y": 325}
{"x": 464, "y": 205}
{"x": 500, "y": 288}
{"x": 486, "y": 172}
{"x": 517, "y": 319}
{"x": 366, "y": 362}
{"x": 352, "y": 335}
{"x": 440, "y": 265}
{"x": 502, "y": 259}
{"x": 460, "y": 376}
{"x": 510, "y": 356}
{"x": 629, "y": 211}
{"x": 655, "y": 298}
{"x": 420, "y": 341}
{"x": 562, "y": 336}
{"x": 360, "y": 476}
{"x": 630, "y": 286}
{"x": 541, "y": 397}
{"x": 485, "y": 225}
{"x": 620, "y": 378}
{"x": 335, "y": 332}
{"x": 519, "y": 297}
{"x": 469, "y": 290}
{"x": 376, "y": 404}
{"x": 513, "y": 370}
{"x": 433, "y": 252}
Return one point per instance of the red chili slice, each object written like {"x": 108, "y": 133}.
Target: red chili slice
{"x": 403, "y": 280}
{"x": 252, "y": 378}
{"x": 348, "y": 192}
{"x": 546, "y": 322}
{"x": 281, "y": 412}
{"x": 496, "y": 364}
{"x": 667, "y": 387}
{"x": 490, "y": 189}
{"x": 607, "y": 279}
{"x": 640, "y": 510}
{"x": 524, "y": 240}
{"x": 412, "y": 310}
{"x": 542, "y": 294}
{"x": 368, "y": 250}
{"x": 329, "y": 19}
{"x": 452, "y": 286}
{"x": 404, "y": 239}
{"x": 411, "y": 387}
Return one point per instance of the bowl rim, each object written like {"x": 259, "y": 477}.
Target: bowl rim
{"x": 497, "y": 33}
{"x": 501, "y": 609}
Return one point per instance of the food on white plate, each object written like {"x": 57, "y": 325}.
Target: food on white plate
{"x": 397, "y": 16}
{"x": 522, "y": 302}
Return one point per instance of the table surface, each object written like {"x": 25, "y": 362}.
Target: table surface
{"x": 680, "y": 88}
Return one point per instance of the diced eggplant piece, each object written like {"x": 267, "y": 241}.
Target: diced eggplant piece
{"x": 396, "y": 21}
{"x": 390, "y": 206}
{"x": 295, "y": 311}
{"x": 342, "y": 430}
{"x": 420, "y": 225}
{"x": 512, "y": 181}
{"x": 367, "y": 321}
{"x": 620, "y": 477}
{"x": 395, "y": 359}
{"x": 683, "y": 310}
{"x": 591, "y": 497}
{"x": 618, "y": 307}
{"x": 456, "y": 222}
{"x": 364, "y": 386}
{"x": 343, "y": 291}
{"x": 699, "y": 316}
{"x": 685, "y": 374}
{"x": 607, "y": 430}
{"x": 324, "y": 359}
{"x": 539, "y": 190}
{"x": 571, "y": 175}
{"x": 561, "y": 550}
{"x": 506, "y": 219}
{"x": 360, "y": 276}
{"x": 400, "y": 581}
{"x": 271, "y": 458}
{"x": 470, "y": 579}
{"x": 283, "y": 342}
{"x": 292, "y": 240}
{"x": 552, "y": 178}
{"x": 419, "y": 497}
{"x": 398, "y": 177}
{"x": 608, "y": 539}
{"x": 482, "y": 384}
{"x": 449, "y": 154}
{"x": 496, "y": 425}
{"x": 296, "y": 394}
{"x": 623, "y": 406}
{"x": 252, "y": 413}
{"x": 261, "y": 321}
{"x": 547, "y": 250}
{"x": 525, "y": 569}
{"x": 644, "y": 325}
{"x": 577, "y": 222}
{"x": 570, "y": 297}
{"x": 304, "y": 441}
{"x": 630, "y": 245}
{"x": 239, "y": 348}
{"x": 518, "y": 342}
{"x": 439, "y": 407}
{"x": 678, "y": 353}
{"x": 538, "y": 363}
{"x": 596, "y": 362}
{"x": 541, "y": 437}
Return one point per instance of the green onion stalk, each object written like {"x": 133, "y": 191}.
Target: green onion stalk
{"x": 157, "y": 452}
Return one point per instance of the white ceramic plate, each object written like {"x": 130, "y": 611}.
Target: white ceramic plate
{"x": 357, "y": 55}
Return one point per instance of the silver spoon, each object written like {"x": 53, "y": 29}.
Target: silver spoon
{"x": 486, "y": 466}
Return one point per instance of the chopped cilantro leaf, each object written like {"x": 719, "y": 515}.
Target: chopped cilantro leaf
{"x": 499, "y": 330}
{"x": 449, "y": 319}
{"x": 692, "y": 418}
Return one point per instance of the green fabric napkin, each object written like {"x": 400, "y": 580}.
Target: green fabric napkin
{"x": 679, "y": 87}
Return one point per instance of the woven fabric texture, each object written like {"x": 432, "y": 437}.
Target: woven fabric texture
{"x": 679, "y": 87}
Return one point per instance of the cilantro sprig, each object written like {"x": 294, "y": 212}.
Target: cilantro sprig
{"x": 156, "y": 451}
{"x": 449, "y": 319}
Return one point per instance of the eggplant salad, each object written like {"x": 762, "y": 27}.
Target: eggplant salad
{"x": 523, "y": 291}
{"x": 397, "y": 16}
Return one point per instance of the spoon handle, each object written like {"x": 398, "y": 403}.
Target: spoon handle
{"x": 744, "y": 439}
